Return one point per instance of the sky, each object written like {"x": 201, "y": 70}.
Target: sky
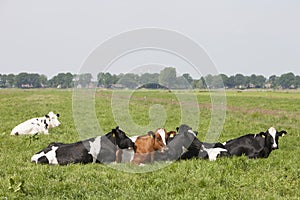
{"x": 249, "y": 37}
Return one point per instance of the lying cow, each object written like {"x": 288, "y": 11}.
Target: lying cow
{"x": 255, "y": 145}
{"x": 101, "y": 149}
{"x": 212, "y": 151}
{"x": 37, "y": 125}
{"x": 145, "y": 147}
{"x": 176, "y": 144}
{"x": 170, "y": 136}
{"x": 127, "y": 155}
{"x": 161, "y": 131}
{"x": 203, "y": 150}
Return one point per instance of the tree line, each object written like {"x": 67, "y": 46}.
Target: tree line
{"x": 167, "y": 78}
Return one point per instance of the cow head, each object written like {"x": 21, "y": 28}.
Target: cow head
{"x": 272, "y": 136}
{"x": 170, "y": 136}
{"x": 46, "y": 122}
{"x": 53, "y": 119}
{"x": 162, "y": 132}
{"x": 183, "y": 128}
{"x": 122, "y": 140}
{"x": 189, "y": 134}
{"x": 158, "y": 144}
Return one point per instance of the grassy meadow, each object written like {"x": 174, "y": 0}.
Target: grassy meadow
{"x": 277, "y": 177}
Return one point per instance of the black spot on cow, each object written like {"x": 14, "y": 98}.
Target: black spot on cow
{"x": 43, "y": 160}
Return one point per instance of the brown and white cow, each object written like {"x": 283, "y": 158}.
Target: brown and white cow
{"x": 145, "y": 147}
{"x": 127, "y": 155}
{"x": 161, "y": 131}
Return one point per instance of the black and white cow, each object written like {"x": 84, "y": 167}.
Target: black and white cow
{"x": 176, "y": 145}
{"x": 255, "y": 145}
{"x": 37, "y": 125}
{"x": 203, "y": 150}
{"x": 101, "y": 149}
{"x": 212, "y": 150}
{"x": 185, "y": 145}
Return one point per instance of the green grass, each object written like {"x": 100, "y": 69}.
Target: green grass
{"x": 277, "y": 177}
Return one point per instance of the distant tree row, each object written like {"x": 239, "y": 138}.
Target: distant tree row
{"x": 167, "y": 78}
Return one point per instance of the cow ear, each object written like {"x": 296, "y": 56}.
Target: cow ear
{"x": 113, "y": 131}
{"x": 117, "y": 128}
{"x": 151, "y": 134}
{"x": 57, "y": 115}
{"x": 177, "y": 128}
{"x": 281, "y": 133}
{"x": 47, "y": 116}
{"x": 263, "y": 134}
{"x": 172, "y": 135}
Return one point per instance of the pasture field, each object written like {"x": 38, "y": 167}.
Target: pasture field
{"x": 277, "y": 177}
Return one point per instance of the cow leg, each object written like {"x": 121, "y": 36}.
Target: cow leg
{"x": 152, "y": 156}
{"x": 119, "y": 154}
{"x": 253, "y": 155}
{"x": 136, "y": 159}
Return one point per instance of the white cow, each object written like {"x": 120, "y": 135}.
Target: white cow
{"x": 37, "y": 125}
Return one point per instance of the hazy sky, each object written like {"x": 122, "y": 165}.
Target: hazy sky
{"x": 49, "y": 37}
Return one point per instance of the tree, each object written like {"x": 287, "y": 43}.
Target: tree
{"x": 149, "y": 78}
{"x": 273, "y": 81}
{"x": 209, "y": 81}
{"x": 257, "y": 81}
{"x": 7, "y": 81}
{"x": 252, "y": 80}
{"x": 297, "y": 81}
{"x": 287, "y": 80}
{"x": 2, "y": 80}
{"x": 182, "y": 83}
{"x": 167, "y": 77}
{"x": 188, "y": 78}
{"x": 26, "y": 80}
{"x": 224, "y": 79}
{"x": 195, "y": 84}
{"x": 260, "y": 81}
{"x": 240, "y": 81}
{"x": 22, "y": 80}
{"x": 34, "y": 80}
{"x": 129, "y": 80}
{"x": 84, "y": 79}
{"x": 68, "y": 80}
{"x": 214, "y": 81}
{"x": 10, "y": 81}
{"x": 106, "y": 79}
{"x": 218, "y": 81}
{"x": 230, "y": 82}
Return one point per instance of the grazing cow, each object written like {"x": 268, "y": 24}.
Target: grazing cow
{"x": 198, "y": 149}
{"x": 37, "y": 125}
{"x": 101, "y": 149}
{"x": 145, "y": 147}
{"x": 255, "y": 145}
